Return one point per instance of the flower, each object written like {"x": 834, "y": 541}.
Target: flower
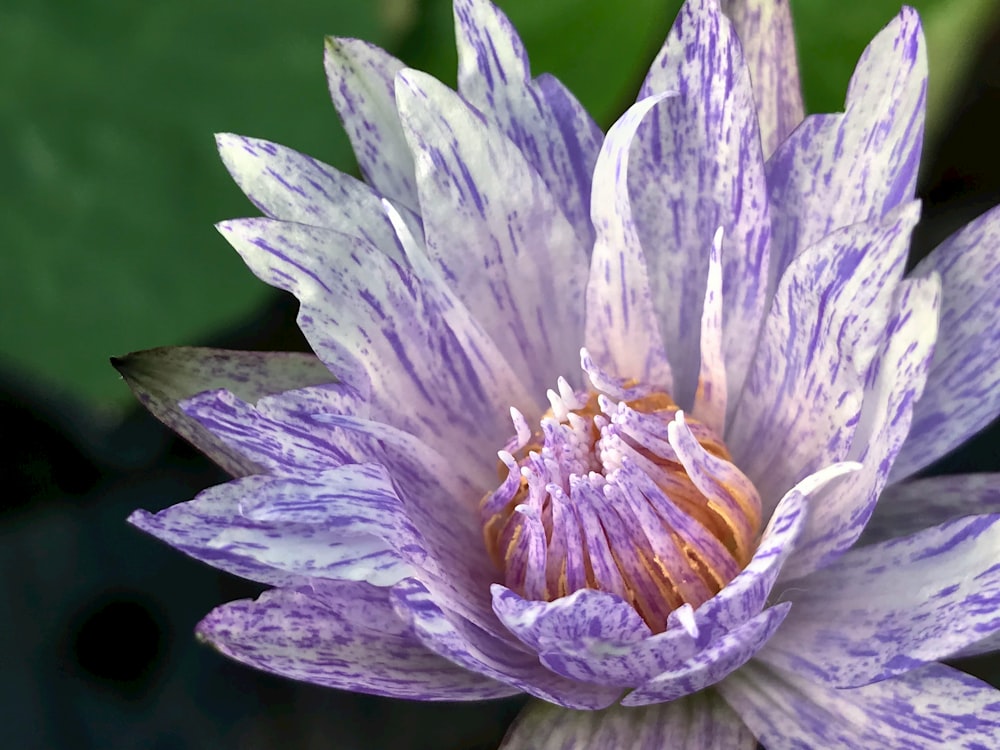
{"x": 715, "y": 294}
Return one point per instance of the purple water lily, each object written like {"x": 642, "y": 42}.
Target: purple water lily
{"x": 605, "y": 418}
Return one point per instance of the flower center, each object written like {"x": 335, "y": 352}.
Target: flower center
{"x": 627, "y": 496}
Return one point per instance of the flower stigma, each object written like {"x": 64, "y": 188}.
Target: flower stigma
{"x": 624, "y": 493}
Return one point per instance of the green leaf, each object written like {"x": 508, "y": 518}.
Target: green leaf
{"x": 111, "y": 183}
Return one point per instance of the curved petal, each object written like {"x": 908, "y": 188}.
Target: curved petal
{"x": 932, "y": 707}
{"x": 622, "y": 331}
{"x": 697, "y": 166}
{"x": 768, "y": 39}
{"x": 495, "y": 231}
{"x": 910, "y": 507}
{"x": 745, "y": 596}
{"x": 837, "y": 170}
{"x": 362, "y": 84}
{"x": 895, "y": 382}
{"x": 718, "y": 659}
{"x": 192, "y": 526}
{"x": 433, "y": 371}
{"x": 345, "y": 636}
{"x": 803, "y": 397}
{"x": 697, "y": 722}
{"x": 460, "y": 641}
{"x": 543, "y": 119}
{"x": 963, "y": 390}
{"x": 162, "y": 378}
{"x": 278, "y": 437}
{"x": 890, "y": 607}
{"x": 290, "y": 186}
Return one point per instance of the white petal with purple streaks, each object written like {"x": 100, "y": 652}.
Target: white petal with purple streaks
{"x": 343, "y": 636}
{"x": 546, "y": 122}
{"x": 890, "y": 607}
{"x": 933, "y": 707}
{"x": 495, "y": 231}
{"x": 719, "y": 658}
{"x": 361, "y": 78}
{"x": 462, "y": 642}
{"x": 162, "y": 378}
{"x": 697, "y": 166}
{"x": 621, "y": 328}
{"x": 895, "y": 381}
{"x": 768, "y": 40}
{"x": 912, "y": 506}
{"x": 963, "y": 390}
{"x": 803, "y": 397}
{"x": 428, "y": 362}
{"x": 837, "y": 170}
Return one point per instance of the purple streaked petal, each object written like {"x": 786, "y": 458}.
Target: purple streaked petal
{"x": 766, "y": 34}
{"x": 622, "y": 331}
{"x": 290, "y": 186}
{"x": 349, "y": 517}
{"x": 461, "y": 642}
{"x": 745, "y": 596}
{"x": 546, "y": 122}
{"x": 718, "y": 659}
{"x": 803, "y": 397}
{"x": 837, "y": 170}
{"x": 362, "y": 84}
{"x": 342, "y": 635}
{"x": 273, "y": 435}
{"x": 162, "y": 378}
{"x": 697, "y": 722}
{"x": 887, "y": 608}
{"x": 711, "y": 397}
{"x": 495, "y": 232}
{"x": 192, "y": 526}
{"x": 697, "y": 166}
{"x": 912, "y": 506}
{"x": 584, "y": 615}
{"x": 963, "y": 390}
{"x": 895, "y": 382}
{"x": 429, "y": 364}
{"x": 932, "y": 707}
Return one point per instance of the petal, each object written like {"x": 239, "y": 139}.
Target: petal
{"x": 191, "y": 527}
{"x": 711, "y": 398}
{"x": 162, "y": 378}
{"x": 542, "y": 118}
{"x": 697, "y": 722}
{"x": 344, "y": 636}
{"x": 714, "y": 662}
{"x": 275, "y": 436}
{"x": 912, "y": 506}
{"x": 803, "y": 398}
{"x": 347, "y": 524}
{"x": 460, "y": 641}
{"x": 837, "y": 170}
{"x": 287, "y": 185}
{"x": 495, "y": 232}
{"x": 362, "y": 84}
{"x": 932, "y": 707}
{"x": 745, "y": 596}
{"x": 433, "y": 371}
{"x": 622, "y": 332}
{"x": 963, "y": 390}
{"x": 895, "y": 382}
{"x": 768, "y": 39}
{"x": 887, "y": 608}
{"x": 697, "y": 166}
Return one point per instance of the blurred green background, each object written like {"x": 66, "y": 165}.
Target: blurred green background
{"x": 110, "y": 184}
